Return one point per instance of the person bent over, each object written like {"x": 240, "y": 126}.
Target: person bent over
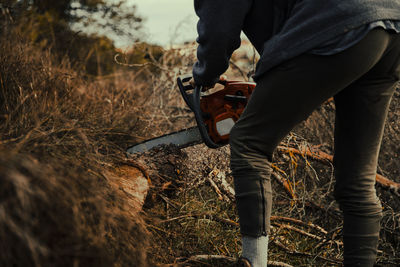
{"x": 310, "y": 50}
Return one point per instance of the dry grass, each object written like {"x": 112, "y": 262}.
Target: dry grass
{"x": 59, "y": 133}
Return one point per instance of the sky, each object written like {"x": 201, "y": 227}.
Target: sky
{"x": 167, "y": 21}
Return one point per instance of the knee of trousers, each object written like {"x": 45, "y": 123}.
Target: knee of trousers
{"x": 244, "y": 143}
{"x": 246, "y": 160}
{"x": 358, "y": 202}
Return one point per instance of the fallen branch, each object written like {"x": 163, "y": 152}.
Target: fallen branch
{"x": 278, "y": 264}
{"x": 217, "y": 179}
{"x": 327, "y": 158}
{"x": 303, "y": 254}
{"x": 333, "y": 212}
{"x": 221, "y": 220}
{"x": 231, "y": 260}
{"x": 299, "y": 222}
{"x": 286, "y": 185}
{"x": 317, "y": 154}
{"x": 322, "y": 240}
{"x": 329, "y": 240}
{"x": 202, "y": 216}
{"x": 295, "y": 229}
{"x": 388, "y": 184}
{"x": 273, "y": 219}
{"x": 228, "y": 190}
{"x": 197, "y": 258}
{"x": 216, "y": 189}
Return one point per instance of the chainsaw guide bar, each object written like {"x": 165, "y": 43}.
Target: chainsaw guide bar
{"x": 181, "y": 139}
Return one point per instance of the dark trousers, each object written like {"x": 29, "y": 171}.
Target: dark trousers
{"x": 362, "y": 80}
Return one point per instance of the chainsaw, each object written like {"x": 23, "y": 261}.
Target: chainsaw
{"x": 215, "y": 114}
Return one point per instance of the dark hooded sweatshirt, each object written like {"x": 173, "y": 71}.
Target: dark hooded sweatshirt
{"x": 278, "y": 29}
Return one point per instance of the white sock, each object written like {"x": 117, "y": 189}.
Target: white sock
{"x": 255, "y": 249}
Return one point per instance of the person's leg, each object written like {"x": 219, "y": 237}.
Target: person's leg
{"x": 361, "y": 110}
{"x": 284, "y": 97}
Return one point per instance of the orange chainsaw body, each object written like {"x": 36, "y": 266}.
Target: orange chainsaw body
{"x": 221, "y": 109}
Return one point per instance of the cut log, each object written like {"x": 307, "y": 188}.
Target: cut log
{"x": 133, "y": 184}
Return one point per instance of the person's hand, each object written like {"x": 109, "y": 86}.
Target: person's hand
{"x": 221, "y": 80}
{"x": 205, "y": 88}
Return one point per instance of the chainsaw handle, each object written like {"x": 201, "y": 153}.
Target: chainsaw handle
{"x": 184, "y": 86}
{"x": 192, "y": 99}
{"x": 199, "y": 118}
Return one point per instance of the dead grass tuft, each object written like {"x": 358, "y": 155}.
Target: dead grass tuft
{"x": 60, "y": 132}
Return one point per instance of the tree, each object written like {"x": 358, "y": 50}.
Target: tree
{"x": 77, "y": 29}
{"x": 113, "y": 18}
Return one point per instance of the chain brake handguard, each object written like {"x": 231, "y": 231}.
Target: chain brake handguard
{"x": 216, "y": 113}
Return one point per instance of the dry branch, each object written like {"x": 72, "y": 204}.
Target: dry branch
{"x": 295, "y": 229}
{"x": 299, "y": 222}
{"x": 216, "y": 188}
{"x": 322, "y": 240}
{"x": 218, "y": 181}
{"x": 286, "y": 185}
{"x": 317, "y": 154}
{"x": 333, "y": 212}
{"x": 273, "y": 220}
{"x": 202, "y": 216}
{"x": 278, "y": 264}
{"x": 325, "y": 157}
{"x": 303, "y": 254}
{"x": 231, "y": 260}
{"x": 226, "y": 187}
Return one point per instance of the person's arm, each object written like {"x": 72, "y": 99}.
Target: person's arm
{"x": 219, "y": 27}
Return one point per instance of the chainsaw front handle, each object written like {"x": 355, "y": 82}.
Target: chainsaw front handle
{"x": 199, "y": 118}
{"x": 193, "y": 102}
{"x": 185, "y": 86}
